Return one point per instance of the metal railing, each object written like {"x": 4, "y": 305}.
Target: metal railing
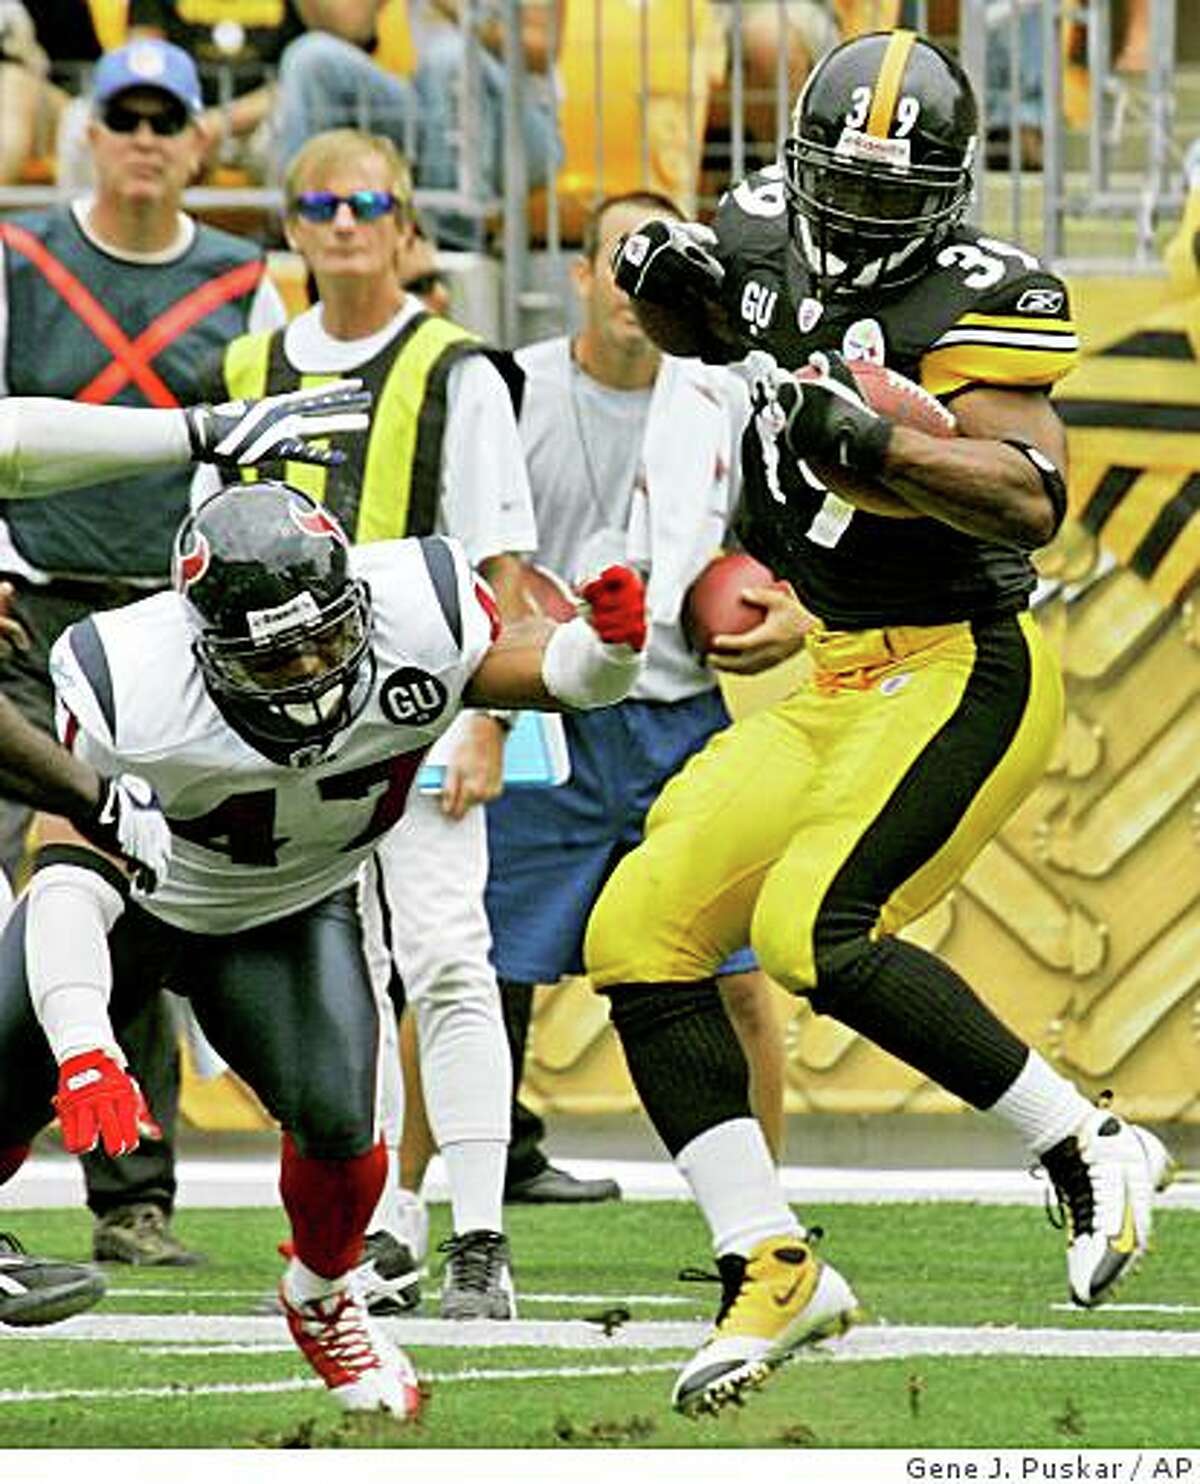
{"x": 1144, "y": 193}
{"x": 1100, "y": 183}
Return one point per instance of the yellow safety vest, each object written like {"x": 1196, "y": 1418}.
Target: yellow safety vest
{"x": 389, "y": 484}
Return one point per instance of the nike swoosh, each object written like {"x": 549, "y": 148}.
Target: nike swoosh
{"x": 1126, "y": 1239}
{"x": 782, "y": 1301}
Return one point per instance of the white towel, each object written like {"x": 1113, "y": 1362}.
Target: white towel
{"x": 687, "y": 458}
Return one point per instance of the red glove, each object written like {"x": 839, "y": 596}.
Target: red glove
{"x": 98, "y": 1100}
{"x": 617, "y": 606}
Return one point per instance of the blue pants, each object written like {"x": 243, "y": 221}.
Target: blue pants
{"x": 552, "y": 849}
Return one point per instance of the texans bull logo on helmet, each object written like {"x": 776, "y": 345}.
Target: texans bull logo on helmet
{"x": 316, "y": 521}
{"x": 191, "y": 562}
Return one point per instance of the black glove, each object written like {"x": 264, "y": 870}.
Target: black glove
{"x": 126, "y": 821}
{"x": 829, "y": 420}
{"x": 666, "y": 262}
{"x": 277, "y": 428}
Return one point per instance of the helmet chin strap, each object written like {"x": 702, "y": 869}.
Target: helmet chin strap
{"x": 326, "y": 705}
{"x": 845, "y": 275}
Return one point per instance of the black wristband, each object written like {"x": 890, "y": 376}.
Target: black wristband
{"x": 866, "y": 450}
{"x": 194, "y": 418}
{"x": 1052, "y": 481}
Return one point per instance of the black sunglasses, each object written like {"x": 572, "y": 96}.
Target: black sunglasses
{"x": 122, "y": 120}
{"x": 366, "y": 206}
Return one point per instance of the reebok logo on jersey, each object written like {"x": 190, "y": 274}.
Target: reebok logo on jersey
{"x": 412, "y": 697}
{"x": 1040, "y": 301}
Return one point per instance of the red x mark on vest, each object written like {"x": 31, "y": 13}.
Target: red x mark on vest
{"x": 131, "y": 359}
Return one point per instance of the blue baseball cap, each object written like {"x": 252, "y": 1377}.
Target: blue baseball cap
{"x": 148, "y": 63}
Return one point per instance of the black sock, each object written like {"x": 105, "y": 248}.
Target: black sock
{"x": 684, "y": 1058}
{"x": 915, "y": 1006}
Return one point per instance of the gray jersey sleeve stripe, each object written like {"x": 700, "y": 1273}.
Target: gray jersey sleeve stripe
{"x": 89, "y": 652}
{"x": 440, "y": 563}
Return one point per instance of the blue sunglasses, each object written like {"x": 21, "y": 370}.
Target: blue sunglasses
{"x": 366, "y": 206}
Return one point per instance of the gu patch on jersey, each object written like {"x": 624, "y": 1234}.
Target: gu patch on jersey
{"x": 412, "y": 697}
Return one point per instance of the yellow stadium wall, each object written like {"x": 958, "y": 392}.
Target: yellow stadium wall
{"x": 1080, "y": 924}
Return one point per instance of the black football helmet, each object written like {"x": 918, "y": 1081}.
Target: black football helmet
{"x": 283, "y": 631}
{"x": 878, "y": 163}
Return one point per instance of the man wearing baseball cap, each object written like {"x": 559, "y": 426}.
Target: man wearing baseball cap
{"x": 147, "y": 63}
{"x": 120, "y": 298}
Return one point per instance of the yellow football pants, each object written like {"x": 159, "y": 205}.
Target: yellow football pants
{"x": 836, "y": 815}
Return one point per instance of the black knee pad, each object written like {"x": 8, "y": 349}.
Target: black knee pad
{"x": 683, "y": 1055}
{"x": 844, "y": 967}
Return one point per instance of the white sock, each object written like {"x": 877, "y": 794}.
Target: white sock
{"x": 1042, "y": 1106}
{"x": 736, "y": 1186}
{"x": 412, "y": 1222}
{"x": 475, "y": 1175}
{"x": 302, "y": 1285}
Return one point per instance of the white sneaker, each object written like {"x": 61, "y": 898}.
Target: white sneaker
{"x": 1105, "y": 1175}
{"x": 388, "y": 1280}
{"x": 363, "y": 1370}
{"x": 779, "y": 1298}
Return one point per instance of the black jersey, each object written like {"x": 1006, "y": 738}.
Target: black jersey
{"x": 984, "y": 313}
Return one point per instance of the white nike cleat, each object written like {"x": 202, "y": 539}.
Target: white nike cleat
{"x": 1105, "y": 1175}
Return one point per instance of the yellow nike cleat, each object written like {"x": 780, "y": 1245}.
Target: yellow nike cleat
{"x": 780, "y": 1297}
{"x": 1105, "y": 1175}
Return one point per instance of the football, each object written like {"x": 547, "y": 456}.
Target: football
{"x": 896, "y": 397}
{"x": 713, "y": 604}
{"x": 548, "y": 593}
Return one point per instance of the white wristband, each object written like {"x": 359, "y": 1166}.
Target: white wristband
{"x": 71, "y": 912}
{"x": 579, "y": 669}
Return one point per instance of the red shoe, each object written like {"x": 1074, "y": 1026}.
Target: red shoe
{"x": 364, "y": 1371}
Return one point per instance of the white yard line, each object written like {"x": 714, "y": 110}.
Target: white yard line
{"x": 50, "y": 1180}
{"x": 869, "y": 1344}
{"x": 199, "y": 1333}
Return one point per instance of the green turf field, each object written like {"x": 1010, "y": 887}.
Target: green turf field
{"x": 188, "y": 1358}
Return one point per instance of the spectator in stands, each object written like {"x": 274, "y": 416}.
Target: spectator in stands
{"x": 44, "y": 51}
{"x": 633, "y": 456}
{"x": 1022, "y": 137}
{"x": 328, "y": 78}
{"x": 780, "y": 39}
{"x": 119, "y": 299}
{"x": 237, "y": 65}
{"x": 442, "y": 454}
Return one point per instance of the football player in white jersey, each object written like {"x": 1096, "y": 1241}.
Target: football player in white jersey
{"x": 49, "y": 444}
{"x": 279, "y": 700}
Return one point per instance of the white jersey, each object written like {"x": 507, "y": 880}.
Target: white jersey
{"x": 256, "y": 840}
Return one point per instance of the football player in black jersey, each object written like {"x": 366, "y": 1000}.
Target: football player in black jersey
{"x": 821, "y": 825}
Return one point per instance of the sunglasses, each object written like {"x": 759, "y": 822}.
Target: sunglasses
{"x": 122, "y": 120}
{"x": 365, "y": 206}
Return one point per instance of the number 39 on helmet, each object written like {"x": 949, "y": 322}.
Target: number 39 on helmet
{"x": 282, "y": 629}
{"x": 878, "y": 161}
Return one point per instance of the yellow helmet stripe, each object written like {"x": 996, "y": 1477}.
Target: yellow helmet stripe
{"x": 887, "y": 87}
